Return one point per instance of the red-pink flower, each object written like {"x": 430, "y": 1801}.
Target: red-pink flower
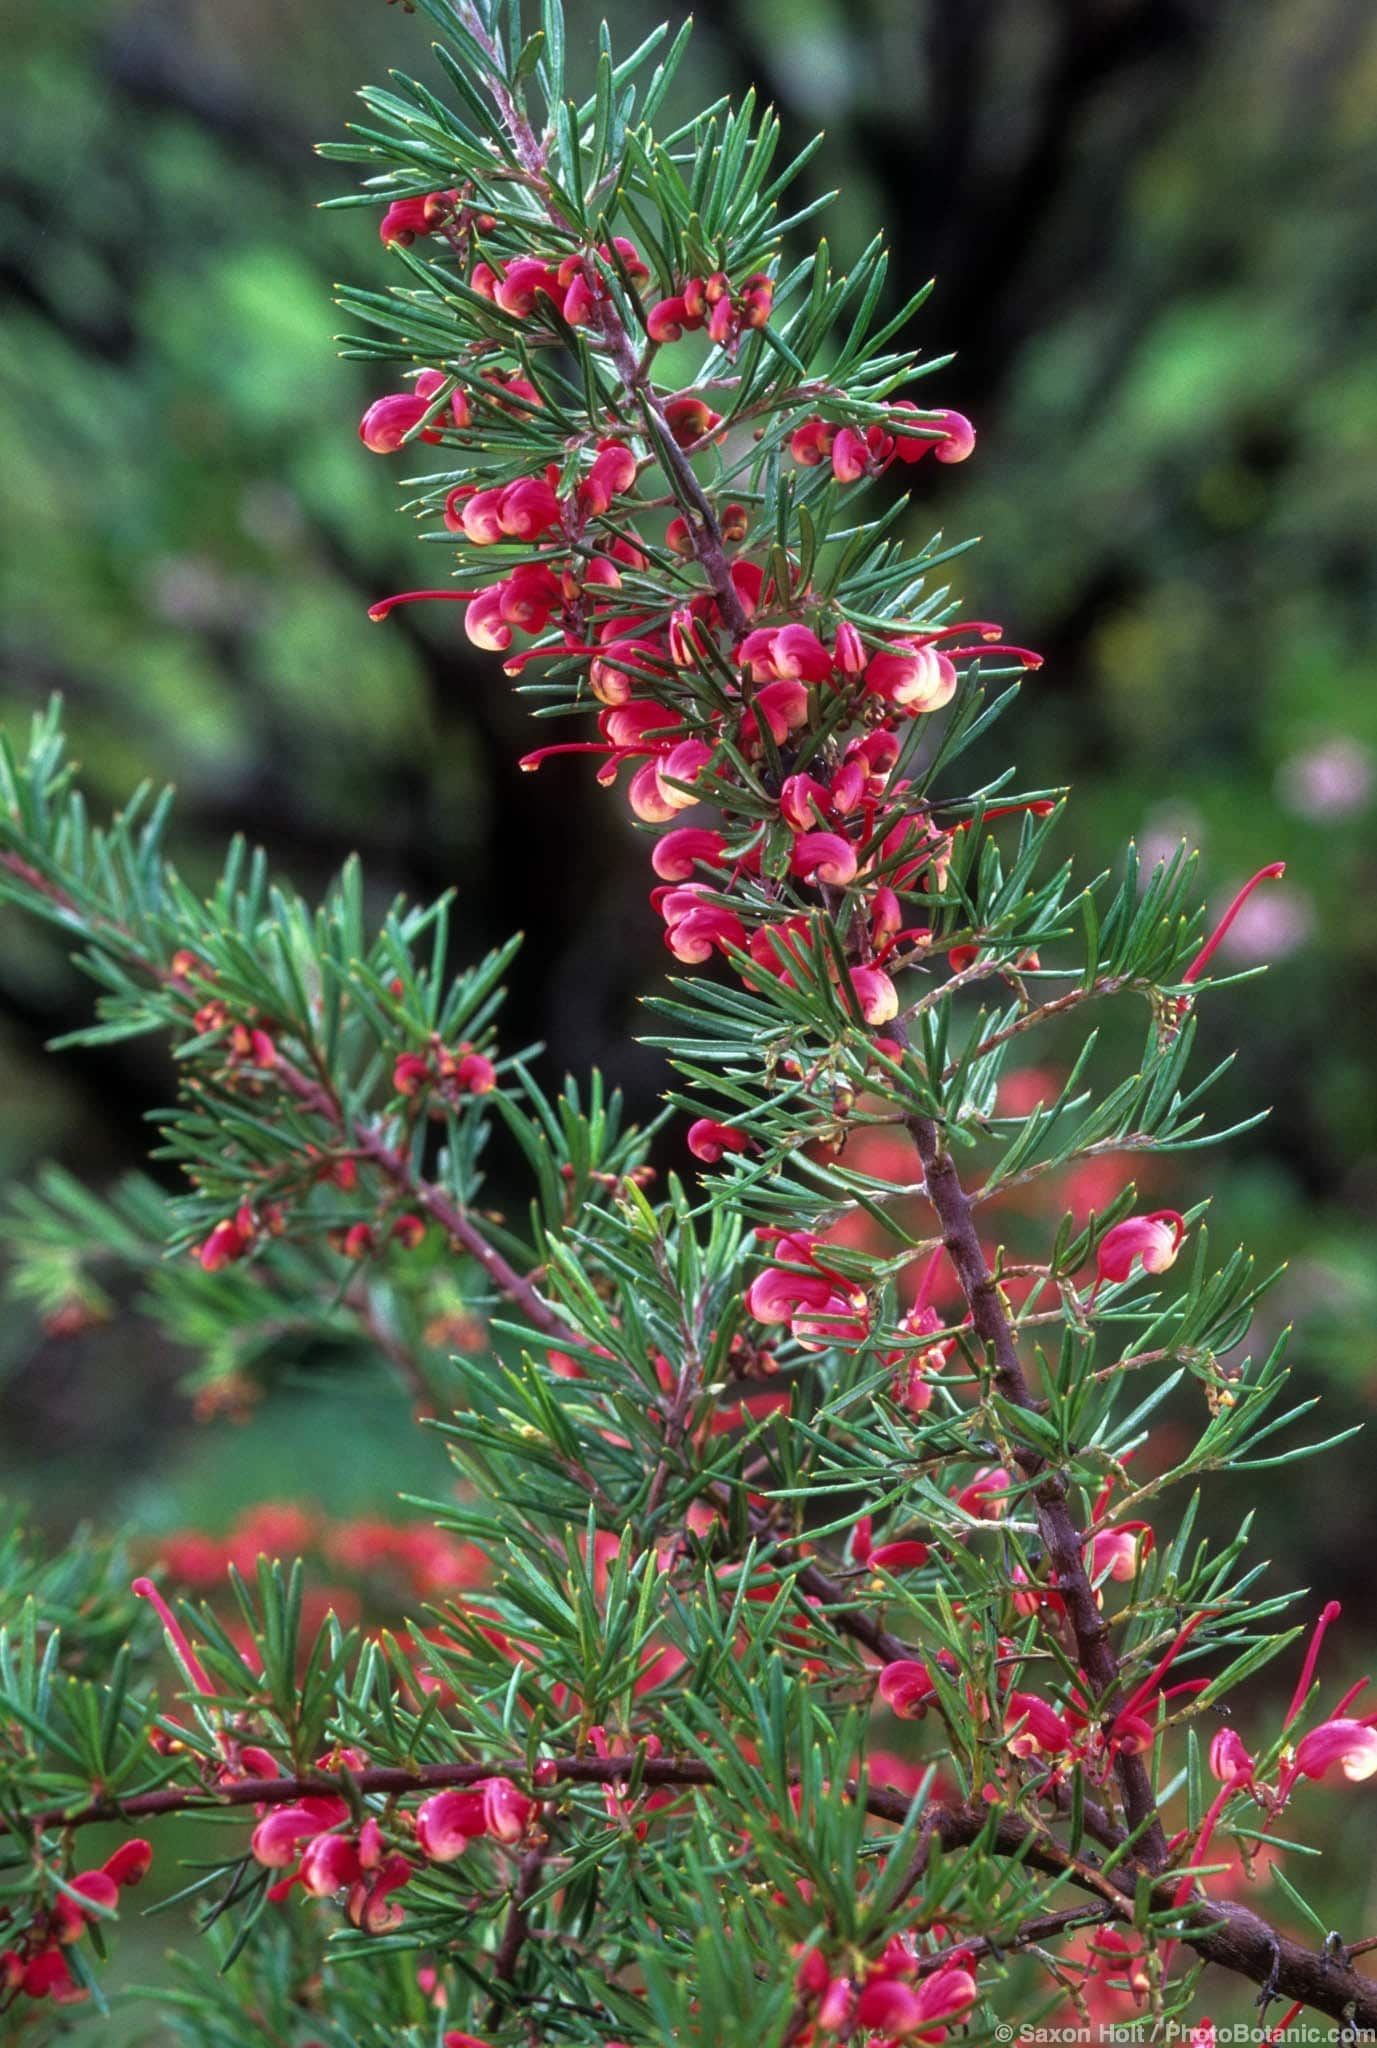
{"x": 709, "y": 1141}
{"x": 528, "y": 507}
{"x": 522, "y": 280}
{"x": 875, "y": 993}
{"x": 275, "y": 1840}
{"x": 850, "y": 456}
{"x": 229, "y": 1240}
{"x": 329, "y": 1863}
{"x": 484, "y": 624}
{"x": 647, "y": 800}
{"x": 985, "y": 1494}
{"x": 912, "y": 677}
{"x": 848, "y": 650}
{"x": 431, "y": 383}
{"x": 1349, "y": 1747}
{"x": 620, "y": 664}
{"x": 771, "y": 652}
{"x": 506, "y": 1809}
{"x": 906, "y": 1687}
{"x": 1228, "y": 1757}
{"x": 389, "y": 420}
{"x": 527, "y": 597}
{"x": 681, "y": 766}
{"x": 911, "y": 1366}
{"x": 954, "y": 441}
{"x": 46, "y": 1975}
{"x": 1118, "y": 1553}
{"x": 369, "y": 1905}
{"x": 129, "y": 1864}
{"x": 1150, "y": 1241}
{"x": 668, "y": 318}
{"x": 694, "y": 928}
{"x": 907, "y": 1554}
{"x": 410, "y": 1073}
{"x": 797, "y": 651}
{"x": 613, "y": 471}
{"x": 825, "y": 857}
{"x": 1272, "y": 872}
{"x": 1032, "y": 1728}
{"x": 467, "y": 1072}
{"x": 678, "y": 853}
{"x": 906, "y": 2011}
{"x": 811, "y": 443}
{"x": 958, "y": 440}
{"x": 803, "y": 803}
{"x": 480, "y": 518}
{"x": 448, "y": 1821}
{"x": 783, "y": 706}
{"x": 689, "y": 418}
{"x": 405, "y": 219}
{"x": 100, "y": 1892}
{"x": 819, "y": 1305}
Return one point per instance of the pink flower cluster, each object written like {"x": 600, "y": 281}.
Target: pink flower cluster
{"x": 893, "y": 1998}
{"x": 853, "y": 454}
{"x": 316, "y": 1841}
{"x": 820, "y": 1307}
{"x": 34, "y": 1962}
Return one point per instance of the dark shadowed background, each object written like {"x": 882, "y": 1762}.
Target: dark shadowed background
{"x": 1153, "y": 226}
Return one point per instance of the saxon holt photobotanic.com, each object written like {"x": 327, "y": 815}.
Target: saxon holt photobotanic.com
{"x": 828, "y": 1636}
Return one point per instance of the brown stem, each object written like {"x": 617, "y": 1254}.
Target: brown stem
{"x": 518, "y": 1926}
{"x": 704, "y": 530}
{"x": 1227, "y": 1934}
{"x": 1040, "y": 1927}
{"x": 850, "y": 1619}
{"x": 366, "y": 1141}
{"x": 1063, "y": 1544}
{"x": 390, "y": 1780}
{"x": 1109, "y": 986}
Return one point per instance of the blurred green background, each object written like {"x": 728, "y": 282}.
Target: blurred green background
{"x": 1152, "y": 223}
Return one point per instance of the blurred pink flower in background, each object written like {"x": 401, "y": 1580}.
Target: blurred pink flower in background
{"x": 1327, "y": 781}
{"x": 1272, "y": 923}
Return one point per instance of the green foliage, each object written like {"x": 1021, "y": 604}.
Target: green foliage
{"x": 717, "y": 1474}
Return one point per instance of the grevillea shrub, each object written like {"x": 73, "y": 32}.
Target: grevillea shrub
{"x": 820, "y": 1644}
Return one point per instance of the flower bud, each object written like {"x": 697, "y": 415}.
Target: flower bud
{"x": 848, "y": 651}
{"x": 389, "y": 420}
{"x": 226, "y": 1243}
{"x": 689, "y": 418}
{"x": 129, "y": 1864}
